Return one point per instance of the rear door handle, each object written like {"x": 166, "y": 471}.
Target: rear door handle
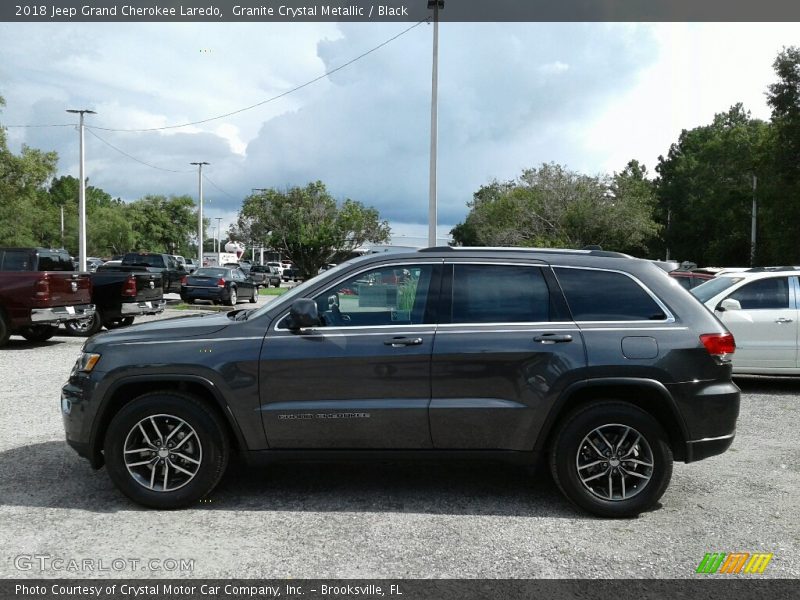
{"x": 552, "y": 338}
{"x": 397, "y": 342}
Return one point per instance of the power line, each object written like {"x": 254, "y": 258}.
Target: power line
{"x": 219, "y": 189}
{"x": 112, "y": 146}
{"x": 33, "y": 126}
{"x": 281, "y": 95}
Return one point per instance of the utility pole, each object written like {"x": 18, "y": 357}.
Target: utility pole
{"x": 200, "y": 211}
{"x": 82, "y": 194}
{"x": 219, "y": 234}
{"x": 753, "y": 225}
{"x": 436, "y": 5}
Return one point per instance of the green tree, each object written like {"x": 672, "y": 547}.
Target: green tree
{"x": 705, "y": 188}
{"x": 307, "y": 225}
{"x": 163, "y": 224}
{"x": 551, "y": 206}
{"x": 25, "y": 218}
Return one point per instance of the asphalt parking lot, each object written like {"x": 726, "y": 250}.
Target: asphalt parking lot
{"x": 392, "y": 520}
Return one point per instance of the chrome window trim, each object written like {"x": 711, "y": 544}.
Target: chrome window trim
{"x": 371, "y": 267}
{"x": 670, "y": 317}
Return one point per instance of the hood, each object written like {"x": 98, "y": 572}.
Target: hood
{"x": 177, "y": 327}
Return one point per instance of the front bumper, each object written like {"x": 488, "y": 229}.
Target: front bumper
{"x": 152, "y": 307}
{"x": 700, "y": 449}
{"x": 78, "y": 413}
{"x": 59, "y": 314}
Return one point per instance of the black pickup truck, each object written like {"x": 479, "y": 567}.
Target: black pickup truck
{"x": 120, "y": 293}
{"x": 171, "y": 271}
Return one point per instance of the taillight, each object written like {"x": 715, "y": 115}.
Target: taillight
{"x": 42, "y": 288}
{"x": 184, "y": 280}
{"x": 129, "y": 288}
{"x": 220, "y": 282}
{"x": 719, "y": 344}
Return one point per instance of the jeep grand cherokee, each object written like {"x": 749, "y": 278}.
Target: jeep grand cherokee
{"x": 598, "y": 361}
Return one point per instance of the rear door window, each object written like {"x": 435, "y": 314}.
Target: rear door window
{"x": 15, "y": 260}
{"x": 499, "y": 294}
{"x": 594, "y": 295}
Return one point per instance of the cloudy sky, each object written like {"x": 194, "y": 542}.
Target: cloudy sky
{"x": 511, "y": 96}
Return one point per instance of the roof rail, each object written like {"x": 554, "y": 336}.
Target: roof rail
{"x": 605, "y": 253}
{"x": 769, "y": 269}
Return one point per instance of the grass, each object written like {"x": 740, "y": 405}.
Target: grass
{"x": 272, "y": 291}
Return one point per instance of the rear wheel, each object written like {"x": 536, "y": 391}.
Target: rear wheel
{"x": 87, "y": 327}
{"x": 254, "y": 298}
{"x": 232, "y": 298}
{"x": 166, "y": 449}
{"x": 38, "y": 333}
{"x": 611, "y": 459}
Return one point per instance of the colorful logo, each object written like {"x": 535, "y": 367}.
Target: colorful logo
{"x": 734, "y": 562}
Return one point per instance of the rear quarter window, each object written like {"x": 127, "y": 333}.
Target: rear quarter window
{"x": 594, "y": 295}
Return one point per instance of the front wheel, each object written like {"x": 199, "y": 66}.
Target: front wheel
{"x": 166, "y": 449}
{"x": 612, "y": 459}
{"x": 38, "y": 333}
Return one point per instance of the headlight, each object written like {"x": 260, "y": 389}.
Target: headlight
{"x": 86, "y": 362}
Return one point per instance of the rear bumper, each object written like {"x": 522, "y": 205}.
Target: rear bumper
{"x": 710, "y": 410}
{"x": 59, "y": 314}
{"x": 152, "y": 307}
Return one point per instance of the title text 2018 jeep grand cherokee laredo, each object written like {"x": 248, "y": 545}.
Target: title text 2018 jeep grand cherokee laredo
{"x": 599, "y": 361}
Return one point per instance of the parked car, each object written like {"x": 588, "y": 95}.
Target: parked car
{"x": 593, "y": 359}
{"x": 220, "y": 285}
{"x": 92, "y": 263}
{"x": 278, "y": 267}
{"x": 171, "y": 271}
{"x": 291, "y": 273}
{"x": 39, "y": 290}
{"x": 245, "y": 265}
{"x": 690, "y": 279}
{"x": 120, "y": 294}
{"x": 191, "y": 265}
{"x": 760, "y": 307}
{"x": 265, "y": 275}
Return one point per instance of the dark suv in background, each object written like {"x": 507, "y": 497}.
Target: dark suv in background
{"x": 596, "y": 360}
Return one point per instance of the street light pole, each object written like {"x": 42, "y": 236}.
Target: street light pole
{"x": 436, "y": 5}
{"x": 200, "y": 211}
{"x": 82, "y": 194}
{"x": 753, "y": 226}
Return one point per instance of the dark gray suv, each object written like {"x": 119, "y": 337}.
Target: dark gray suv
{"x": 597, "y": 361}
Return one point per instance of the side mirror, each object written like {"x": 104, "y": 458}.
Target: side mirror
{"x": 303, "y": 314}
{"x": 729, "y": 304}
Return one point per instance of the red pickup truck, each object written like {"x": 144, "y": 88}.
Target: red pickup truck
{"x": 38, "y": 290}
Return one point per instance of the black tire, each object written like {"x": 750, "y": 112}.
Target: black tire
{"x": 126, "y": 321}
{"x": 5, "y": 330}
{"x": 213, "y": 445}
{"x": 276, "y": 284}
{"x": 38, "y": 333}
{"x": 569, "y": 448}
{"x": 232, "y": 297}
{"x": 254, "y": 299}
{"x": 85, "y": 328}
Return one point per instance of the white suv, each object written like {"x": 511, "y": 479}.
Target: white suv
{"x": 760, "y": 307}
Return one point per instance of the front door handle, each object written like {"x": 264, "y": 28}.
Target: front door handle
{"x": 552, "y": 338}
{"x": 783, "y": 320}
{"x": 398, "y": 342}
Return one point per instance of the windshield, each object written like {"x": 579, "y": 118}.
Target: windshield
{"x": 705, "y": 291}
